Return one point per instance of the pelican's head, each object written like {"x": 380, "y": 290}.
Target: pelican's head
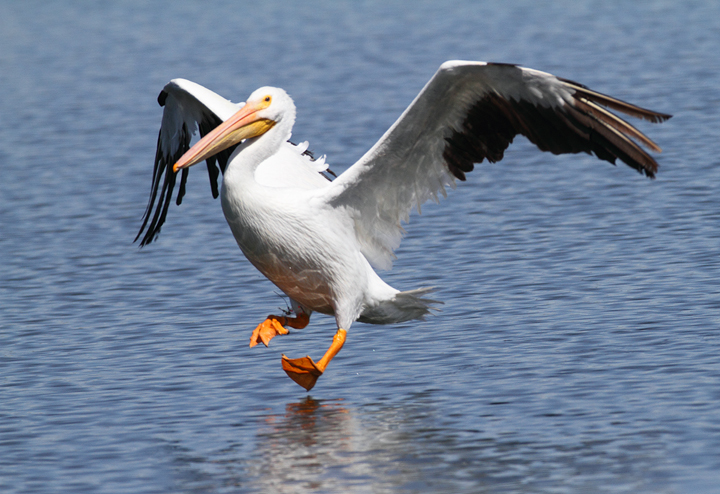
{"x": 265, "y": 108}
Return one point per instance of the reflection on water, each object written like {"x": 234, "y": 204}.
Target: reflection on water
{"x": 314, "y": 446}
{"x": 331, "y": 446}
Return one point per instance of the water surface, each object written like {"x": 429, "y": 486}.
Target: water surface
{"x": 578, "y": 347}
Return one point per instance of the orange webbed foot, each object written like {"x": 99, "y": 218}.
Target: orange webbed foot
{"x": 303, "y": 371}
{"x": 275, "y": 325}
{"x": 267, "y": 330}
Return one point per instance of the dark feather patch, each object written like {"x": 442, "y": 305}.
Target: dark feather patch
{"x": 160, "y": 197}
{"x": 163, "y": 166}
{"x": 492, "y": 123}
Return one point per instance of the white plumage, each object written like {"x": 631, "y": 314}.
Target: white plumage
{"x": 318, "y": 240}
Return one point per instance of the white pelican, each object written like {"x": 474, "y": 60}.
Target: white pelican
{"x": 318, "y": 240}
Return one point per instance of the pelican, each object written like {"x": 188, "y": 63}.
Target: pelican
{"x": 320, "y": 240}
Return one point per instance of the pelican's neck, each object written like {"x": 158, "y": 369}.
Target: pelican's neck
{"x": 252, "y": 152}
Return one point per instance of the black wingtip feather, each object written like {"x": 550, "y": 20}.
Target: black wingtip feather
{"x": 157, "y": 207}
{"x": 617, "y": 104}
{"x": 213, "y": 174}
{"x": 493, "y": 121}
{"x": 183, "y": 181}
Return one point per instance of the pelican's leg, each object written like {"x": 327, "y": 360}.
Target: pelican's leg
{"x": 275, "y": 325}
{"x": 305, "y": 371}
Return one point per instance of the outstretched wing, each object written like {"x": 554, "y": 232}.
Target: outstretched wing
{"x": 189, "y": 107}
{"x": 469, "y": 112}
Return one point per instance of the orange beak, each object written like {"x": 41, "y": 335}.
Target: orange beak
{"x": 243, "y": 125}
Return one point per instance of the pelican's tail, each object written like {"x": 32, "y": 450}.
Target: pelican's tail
{"x": 405, "y": 306}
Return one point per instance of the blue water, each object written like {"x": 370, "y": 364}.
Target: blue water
{"x": 578, "y": 349}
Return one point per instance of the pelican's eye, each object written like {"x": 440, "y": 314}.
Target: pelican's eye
{"x": 267, "y": 100}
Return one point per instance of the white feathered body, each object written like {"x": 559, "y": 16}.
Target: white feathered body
{"x": 276, "y": 210}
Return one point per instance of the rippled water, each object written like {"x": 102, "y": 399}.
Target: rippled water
{"x": 578, "y": 347}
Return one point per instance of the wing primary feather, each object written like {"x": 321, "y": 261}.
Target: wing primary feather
{"x": 153, "y": 228}
{"x": 158, "y": 170}
{"x": 609, "y": 144}
{"x": 161, "y": 209}
{"x": 617, "y": 122}
{"x": 492, "y": 122}
{"x": 491, "y": 126}
{"x": 616, "y": 104}
{"x": 181, "y": 191}
{"x": 170, "y": 179}
{"x": 163, "y": 166}
{"x": 213, "y": 174}
{"x": 153, "y": 189}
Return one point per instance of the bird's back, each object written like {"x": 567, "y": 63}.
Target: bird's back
{"x": 291, "y": 166}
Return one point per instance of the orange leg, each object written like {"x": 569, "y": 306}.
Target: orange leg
{"x": 275, "y": 325}
{"x": 305, "y": 371}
